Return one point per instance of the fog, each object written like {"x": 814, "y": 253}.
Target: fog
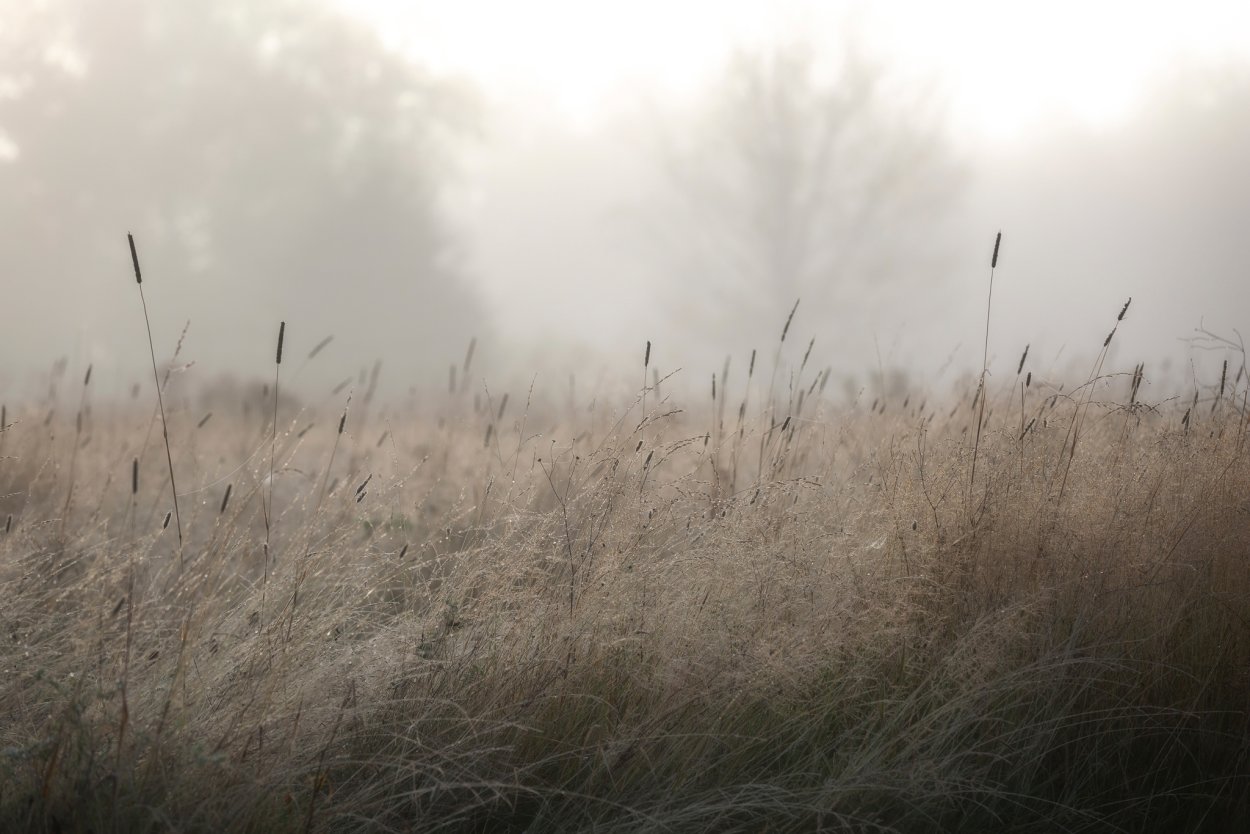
{"x": 564, "y": 183}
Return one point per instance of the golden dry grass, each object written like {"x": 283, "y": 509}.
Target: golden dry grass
{"x": 618, "y": 620}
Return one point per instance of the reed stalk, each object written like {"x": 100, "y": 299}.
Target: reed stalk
{"x": 985, "y": 362}
{"x": 160, "y": 401}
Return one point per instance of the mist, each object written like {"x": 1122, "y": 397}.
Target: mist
{"x": 306, "y": 163}
{"x": 568, "y": 416}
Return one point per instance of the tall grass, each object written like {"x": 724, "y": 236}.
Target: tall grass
{"x": 160, "y": 400}
{"x": 581, "y": 628}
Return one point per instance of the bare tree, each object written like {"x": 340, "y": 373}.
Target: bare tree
{"x": 798, "y": 181}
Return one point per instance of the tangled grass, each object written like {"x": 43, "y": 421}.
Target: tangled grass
{"x": 646, "y": 617}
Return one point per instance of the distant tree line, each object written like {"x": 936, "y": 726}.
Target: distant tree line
{"x": 264, "y": 153}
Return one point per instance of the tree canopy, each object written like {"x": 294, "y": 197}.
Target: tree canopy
{"x": 271, "y": 157}
{"x": 800, "y": 180}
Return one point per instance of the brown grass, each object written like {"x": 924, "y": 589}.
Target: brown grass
{"x": 583, "y": 624}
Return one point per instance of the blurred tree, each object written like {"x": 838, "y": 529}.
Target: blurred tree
{"x": 790, "y": 183}
{"x": 271, "y": 156}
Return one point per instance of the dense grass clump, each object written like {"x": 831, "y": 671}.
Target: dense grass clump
{"x": 657, "y": 616}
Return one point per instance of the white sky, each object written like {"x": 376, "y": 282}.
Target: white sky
{"x": 1009, "y": 74}
{"x": 1005, "y": 66}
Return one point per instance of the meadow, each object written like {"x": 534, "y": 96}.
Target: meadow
{"x": 1016, "y": 607}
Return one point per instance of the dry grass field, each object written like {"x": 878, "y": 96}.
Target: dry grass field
{"x": 751, "y": 612}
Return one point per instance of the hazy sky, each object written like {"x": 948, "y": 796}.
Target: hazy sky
{"x": 1010, "y": 77}
{"x": 1005, "y": 66}
{"x": 1103, "y": 185}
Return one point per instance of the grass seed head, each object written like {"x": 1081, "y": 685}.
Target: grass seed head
{"x": 134, "y": 258}
{"x": 320, "y": 346}
{"x": 789, "y": 318}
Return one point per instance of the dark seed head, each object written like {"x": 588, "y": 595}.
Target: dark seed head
{"x": 789, "y": 319}
{"x": 281, "y": 334}
{"x": 1124, "y": 309}
{"x": 646, "y": 357}
{"x": 165, "y": 523}
{"x": 320, "y": 346}
{"x": 134, "y": 478}
{"x": 134, "y": 257}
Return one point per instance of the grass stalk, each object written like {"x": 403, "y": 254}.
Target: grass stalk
{"x": 985, "y": 362}
{"x": 270, "y": 520}
{"x": 160, "y": 400}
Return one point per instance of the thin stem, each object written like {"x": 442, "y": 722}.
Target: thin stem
{"x": 270, "y": 517}
{"x": 160, "y": 401}
{"x": 985, "y": 362}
